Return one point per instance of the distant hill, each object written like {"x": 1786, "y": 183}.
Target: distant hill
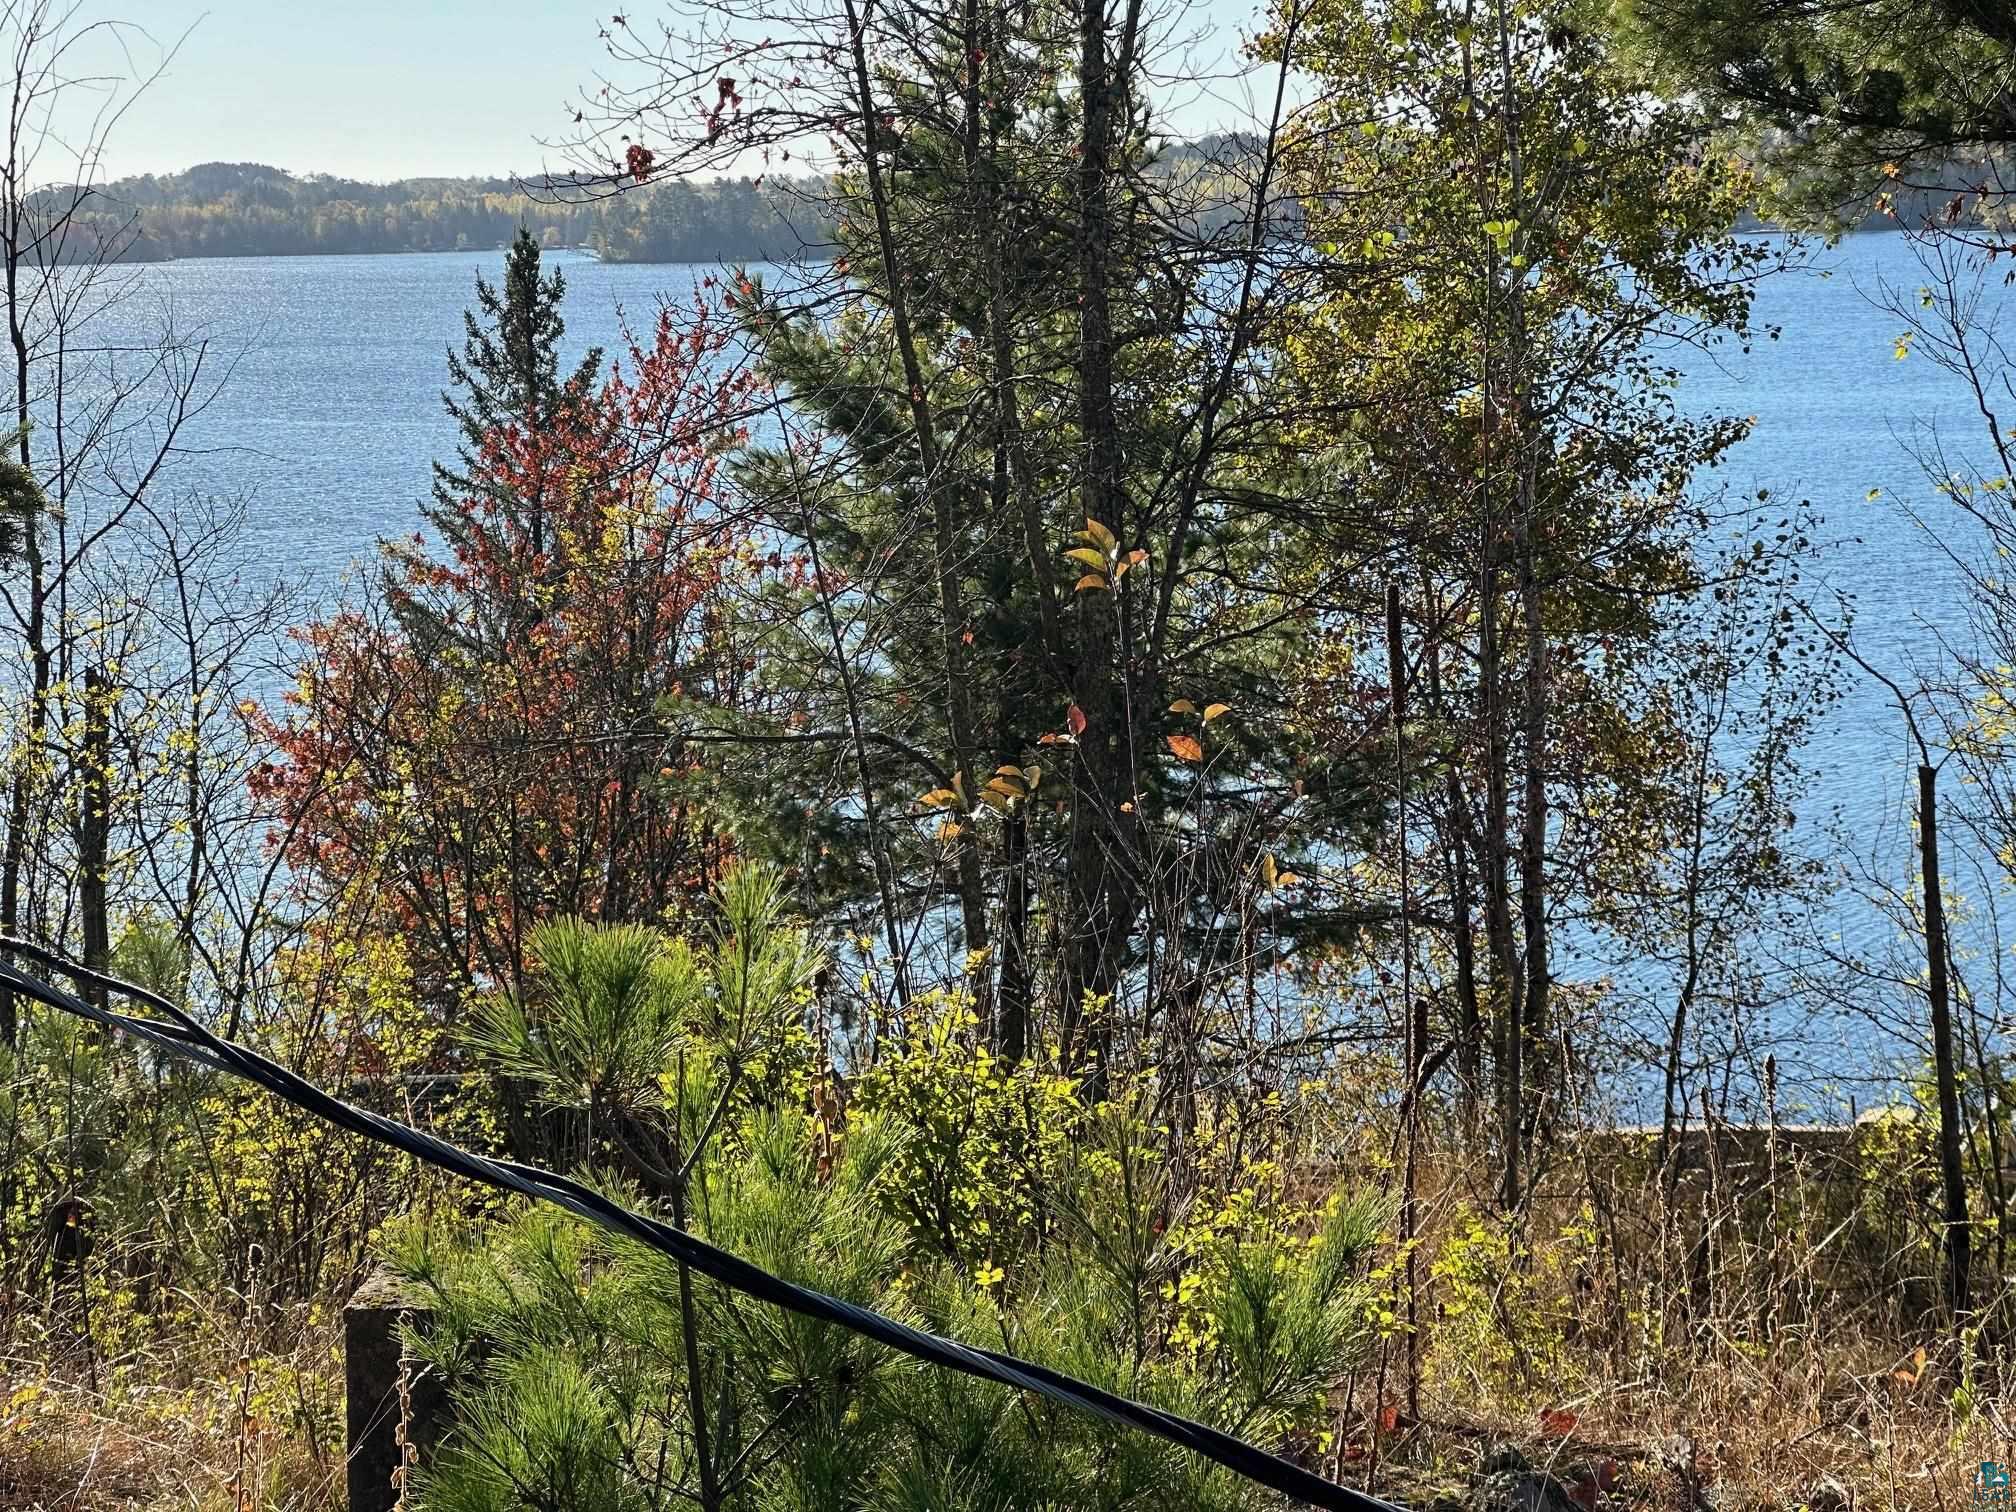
{"x": 254, "y": 210}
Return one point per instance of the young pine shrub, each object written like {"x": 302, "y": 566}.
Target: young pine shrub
{"x": 590, "y": 1373}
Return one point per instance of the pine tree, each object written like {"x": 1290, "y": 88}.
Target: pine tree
{"x": 507, "y": 375}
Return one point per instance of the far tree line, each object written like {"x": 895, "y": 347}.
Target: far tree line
{"x": 252, "y": 210}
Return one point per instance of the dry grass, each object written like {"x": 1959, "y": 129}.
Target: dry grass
{"x": 1749, "y": 1344}
{"x": 1758, "y": 1340}
{"x": 177, "y": 1433}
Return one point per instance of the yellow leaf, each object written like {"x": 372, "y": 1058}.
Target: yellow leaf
{"x": 1186, "y": 747}
{"x": 1088, "y": 556}
{"x": 1097, "y": 532}
{"x": 938, "y": 798}
{"x": 1214, "y": 710}
{"x": 1183, "y": 706}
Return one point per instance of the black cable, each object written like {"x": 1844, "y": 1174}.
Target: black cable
{"x": 183, "y": 1036}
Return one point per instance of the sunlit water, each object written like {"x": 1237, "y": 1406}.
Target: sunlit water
{"x": 332, "y": 417}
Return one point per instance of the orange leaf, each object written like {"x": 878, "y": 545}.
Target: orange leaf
{"x": 1091, "y": 580}
{"x": 1389, "y": 1418}
{"x": 1186, "y": 747}
{"x": 1183, "y": 706}
{"x": 1214, "y": 710}
{"x": 1557, "y": 1421}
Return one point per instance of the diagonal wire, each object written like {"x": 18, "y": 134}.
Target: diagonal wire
{"x": 182, "y": 1035}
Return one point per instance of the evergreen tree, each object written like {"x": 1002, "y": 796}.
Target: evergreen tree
{"x": 507, "y": 375}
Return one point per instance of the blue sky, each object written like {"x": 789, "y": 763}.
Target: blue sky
{"x": 379, "y": 89}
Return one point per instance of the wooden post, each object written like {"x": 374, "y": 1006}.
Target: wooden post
{"x": 372, "y": 1357}
{"x": 1952, "y": 1175}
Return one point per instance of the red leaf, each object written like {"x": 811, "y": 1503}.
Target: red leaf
{"x": 1389, "y": 1418}
{"x": 1075, "y": 718}
{"x": 1557, "y": 1421}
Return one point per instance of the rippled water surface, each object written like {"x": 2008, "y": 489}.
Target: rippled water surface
{"x": 332, "y": 417}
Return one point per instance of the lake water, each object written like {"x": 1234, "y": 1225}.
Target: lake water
{"x": 332, "y": 418}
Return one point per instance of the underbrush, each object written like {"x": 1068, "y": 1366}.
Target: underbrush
{"x": 1723, "y": 1319}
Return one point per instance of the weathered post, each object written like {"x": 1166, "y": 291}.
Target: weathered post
{"x": 373, "y": 1409}
{"x": 1952, "y": 1173}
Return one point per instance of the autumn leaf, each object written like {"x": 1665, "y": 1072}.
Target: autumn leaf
{"x": 1186, "y": 747}
{"x": 1097, "y": 532}
{"x": 1087, "y": 555}
{"x": 1214, "y": 710}
{"x": 1075, "y": 718}
{"x": 939, "y": 798}
{"x": 1557, "y": 1421}
{"x": 1183, "y": 706}
{"x": 1091, "y": 581}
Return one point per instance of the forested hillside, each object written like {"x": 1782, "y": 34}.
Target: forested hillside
{"x": 251, "y": 210}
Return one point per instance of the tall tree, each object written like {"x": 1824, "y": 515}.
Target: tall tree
{"x": 457, "y": 792}
{"x": 1838, "y": 96}
{"x": 1058, "y": 612}
{"x": 506, "y": 378}
{"x": 1506, "y": 237}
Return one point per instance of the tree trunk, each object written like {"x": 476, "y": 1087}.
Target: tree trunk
{"x": 1952, "y": 1175}
{"x": 94, "y": 828}
{"x": 1102, "y": 834}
